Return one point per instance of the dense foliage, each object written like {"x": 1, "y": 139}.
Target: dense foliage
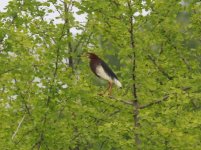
{"x": 49, "y": 97}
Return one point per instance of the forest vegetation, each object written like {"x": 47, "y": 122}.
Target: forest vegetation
{"x": 49, "y": 96}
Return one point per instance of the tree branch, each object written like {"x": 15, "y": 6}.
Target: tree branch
{"x": 123, "y": 101}
{"x": 23, "y": 97}
{"x": 69, "y": 34}
{"x": 159, "y": 67}
{"x": 9, "y": 70}
{"x": 183, "y": 59}
{"x": 165, "y": 98}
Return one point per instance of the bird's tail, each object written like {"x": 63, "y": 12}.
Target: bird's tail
{"x": 116, "y": 81}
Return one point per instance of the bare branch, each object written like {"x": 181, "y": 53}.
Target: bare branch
{"x": 18, "y": 127}
{"x": 135, "y": 102}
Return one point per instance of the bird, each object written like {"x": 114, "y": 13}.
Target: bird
{"x": 103, "y": 71}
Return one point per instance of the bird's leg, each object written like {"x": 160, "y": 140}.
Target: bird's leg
{"x": 107, "y": 87}
{"x": 110, "y": 89}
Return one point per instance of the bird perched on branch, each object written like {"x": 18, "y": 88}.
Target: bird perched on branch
{"x": 102, "y": 70}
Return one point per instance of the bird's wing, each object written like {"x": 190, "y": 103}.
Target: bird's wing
{"x": 108, "y": 70}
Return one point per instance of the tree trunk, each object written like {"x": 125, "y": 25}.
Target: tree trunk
{"x": 134, "y": 88}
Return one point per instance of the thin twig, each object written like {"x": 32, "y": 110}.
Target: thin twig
{"x": 18, "y": 127}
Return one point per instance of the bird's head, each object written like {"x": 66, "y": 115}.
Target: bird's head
{"x": 92, "y": 56}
